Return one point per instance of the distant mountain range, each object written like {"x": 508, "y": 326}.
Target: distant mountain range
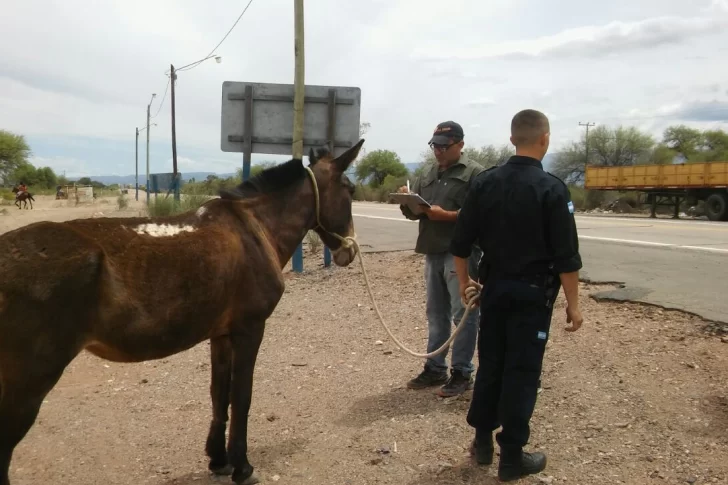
{"x": 198, "y": 176}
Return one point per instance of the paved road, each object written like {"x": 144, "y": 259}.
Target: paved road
{"x": 674, "y": 264}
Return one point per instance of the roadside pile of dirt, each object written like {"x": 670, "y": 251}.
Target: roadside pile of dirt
{"x": 638, "y": 396}
{"x": 620, "y": 206}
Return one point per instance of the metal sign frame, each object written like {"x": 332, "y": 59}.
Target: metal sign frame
{"x": 258, "y": 118}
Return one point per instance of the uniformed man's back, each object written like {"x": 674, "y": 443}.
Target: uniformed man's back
{"x": 523, "y": 215}
{"x": 523, "y": 220}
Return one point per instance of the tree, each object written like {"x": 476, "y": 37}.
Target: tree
{"x": 376, "y": 165}
{"x": 607, "y": 147}
{"x": 43, "y": 177}
{"x": 569, "y": 163}
{"x": 490, "y": 155}
{"x": 619, "y": 147}
{"x": 684, "y": 140}
{"x": 363, "y": 128}
{"x": 14, "y": 152}
{"x": 693, "y": 145}
{"x": 663, "y": 155}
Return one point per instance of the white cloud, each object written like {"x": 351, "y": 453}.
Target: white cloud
{"x": 594, "y": 41}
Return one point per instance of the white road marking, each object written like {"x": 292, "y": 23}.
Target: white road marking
{"x": 591, "y": 238}
{"x": 651, "y": 243}
{"x": 596, "y": 218}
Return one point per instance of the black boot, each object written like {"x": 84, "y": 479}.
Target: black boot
{"x": 517, "y": 464}
{"x": 482, "y": 447}
{"x": 428, "y": 378}
{"x": 457, "y": 384}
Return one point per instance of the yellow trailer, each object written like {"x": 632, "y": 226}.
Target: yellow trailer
{"x": 690, "y": 181}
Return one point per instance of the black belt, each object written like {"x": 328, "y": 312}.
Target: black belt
{"x": 545, "y": 279}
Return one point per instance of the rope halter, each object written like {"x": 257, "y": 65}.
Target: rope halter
{"x": 346, "y": 242}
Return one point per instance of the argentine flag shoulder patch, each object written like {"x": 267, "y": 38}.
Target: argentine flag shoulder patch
{"x": 570, "y": 205}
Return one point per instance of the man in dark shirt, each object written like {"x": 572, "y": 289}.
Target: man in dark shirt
{"x": 443, "y": 185}
{"x": 522, "y": 219}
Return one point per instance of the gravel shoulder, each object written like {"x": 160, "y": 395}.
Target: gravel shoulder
{"x": 637, "y": 396}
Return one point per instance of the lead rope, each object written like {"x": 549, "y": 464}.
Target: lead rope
{"x": 471, "y": 292}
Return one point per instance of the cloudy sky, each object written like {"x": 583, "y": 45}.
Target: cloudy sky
{"x": 76, "y": 76}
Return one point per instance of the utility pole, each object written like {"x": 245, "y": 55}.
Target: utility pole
{"x": 136, "y": 163}
{"x": 586, "y": 143}
{"x": 299, "y": 79}
{"x": 148, "y": 108}
{"x": 299, "y": 86}
{"x": 172, "y": 77}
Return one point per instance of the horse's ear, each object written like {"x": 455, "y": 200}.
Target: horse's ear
{"x": 343, "y": 161}
{"x": 312, "y": 157}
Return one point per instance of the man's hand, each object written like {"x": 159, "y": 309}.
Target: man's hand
{"x": 403, "y": 190}
{"x": 573, "y": 316}
{"x": 468, "y": 290}
{"x": 436, "y": 213}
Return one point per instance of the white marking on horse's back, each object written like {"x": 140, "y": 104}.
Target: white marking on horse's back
{"x": 201, "y": 211}
{"x": 163, "y": 230}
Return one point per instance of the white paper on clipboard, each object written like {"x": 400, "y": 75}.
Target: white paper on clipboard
{"x": 413, "y": 201}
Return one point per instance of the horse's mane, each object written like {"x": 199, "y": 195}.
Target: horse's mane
{"x": 273, "y": 179}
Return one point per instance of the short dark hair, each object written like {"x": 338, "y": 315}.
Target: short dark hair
{"x": 527, "y": 126}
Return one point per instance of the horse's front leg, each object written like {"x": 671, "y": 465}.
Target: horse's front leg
{"x": 221, "y": 356}
{"x": 245, "y": 344}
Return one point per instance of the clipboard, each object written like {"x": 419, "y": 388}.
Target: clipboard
{"x": 411, "y": 200}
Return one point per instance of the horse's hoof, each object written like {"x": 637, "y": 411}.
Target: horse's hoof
{"x": 222, "y": 470}
{"x": 251, "y": 480}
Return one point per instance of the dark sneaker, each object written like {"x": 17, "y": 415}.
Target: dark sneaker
{"x": 427, "y": 378}
{"x": 483, "y": 452}
{"x": 456, "y": 384}
{"x": 527, "y": 464}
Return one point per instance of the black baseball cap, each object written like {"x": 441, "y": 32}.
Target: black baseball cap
{"x": 446, "y": 131}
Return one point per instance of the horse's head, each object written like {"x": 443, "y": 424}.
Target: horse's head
{"x": 335, "y": 196}
{"x": 15, "y": 189}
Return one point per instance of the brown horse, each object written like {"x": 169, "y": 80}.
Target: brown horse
{"x": 136, "y": 289}
{"x": 23, "y": 198}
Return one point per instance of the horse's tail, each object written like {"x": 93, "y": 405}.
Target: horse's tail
{"x": 30, "y": 196}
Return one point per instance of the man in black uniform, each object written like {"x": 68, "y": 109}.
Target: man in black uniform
{"x": 522, "y": 219}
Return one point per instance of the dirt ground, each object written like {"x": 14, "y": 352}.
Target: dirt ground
{"x": 47, "y": 208}
{"x": 637, "y": 396}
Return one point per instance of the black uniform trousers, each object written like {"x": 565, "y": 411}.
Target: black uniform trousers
{"x": 515, "y": 318}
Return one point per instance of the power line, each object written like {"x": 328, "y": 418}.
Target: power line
{"x": 195, "y": 64}
{"x": 163, "y": 98}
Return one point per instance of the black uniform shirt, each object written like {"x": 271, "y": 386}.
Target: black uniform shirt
{"x": 522, "y": 218}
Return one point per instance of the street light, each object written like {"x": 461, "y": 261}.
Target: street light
{"x": 172, "y": 79}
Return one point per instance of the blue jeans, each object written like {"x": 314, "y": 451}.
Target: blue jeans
{"x": 445, "y": 309}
